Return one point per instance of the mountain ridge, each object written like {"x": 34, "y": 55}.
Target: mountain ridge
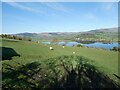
{"x": 105, "y": 32}
{"x": 96, "y": 30}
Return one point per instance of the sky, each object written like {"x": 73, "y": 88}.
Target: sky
{"x": 38, "y": 17}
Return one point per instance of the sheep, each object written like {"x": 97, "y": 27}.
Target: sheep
{"x": 63, "y": 46}
{"x": 51, "y": 48}
{"x": 73, "y": 52}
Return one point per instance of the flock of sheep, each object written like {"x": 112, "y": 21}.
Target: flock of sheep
{"x": 51, "y": 48}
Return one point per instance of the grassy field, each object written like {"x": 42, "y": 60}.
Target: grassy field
{"x": 30, "y": 52}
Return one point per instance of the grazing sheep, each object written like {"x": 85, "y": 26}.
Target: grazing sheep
{"x": 51, "y": 48}
{"x": 73, "y": 52}
{"x": 63, "y": 46}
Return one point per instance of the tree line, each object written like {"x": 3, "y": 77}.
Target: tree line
{"x": 15, "y": 37}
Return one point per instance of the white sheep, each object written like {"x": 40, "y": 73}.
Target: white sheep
{"x": 51, "y": 48}
{"x": 63, "y": 46}
{"x": 73, "y": 52}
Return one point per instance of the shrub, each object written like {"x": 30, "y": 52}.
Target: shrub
{"x": 116, "y": 49}
{"x": 79, "y": 45}
{"x": 29, "y": 39}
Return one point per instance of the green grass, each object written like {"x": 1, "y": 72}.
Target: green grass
{"x": 106, "y": 61}
{"x": 60, "y": 72}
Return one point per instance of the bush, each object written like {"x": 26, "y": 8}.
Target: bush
{"x": 29, "y": 39}
{"x": 79, "y": 45}
{"x": 19, "y": 38}
{"x": 116, "y": 49}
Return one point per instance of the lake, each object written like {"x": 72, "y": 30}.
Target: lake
{"x": 96, "y": 45}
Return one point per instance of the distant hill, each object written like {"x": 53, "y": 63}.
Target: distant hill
{"x": 49, "y": 35}
{"x": 105, "y": 30}
{"x": 26, "y": 34}
{"x": 105, "y": 33}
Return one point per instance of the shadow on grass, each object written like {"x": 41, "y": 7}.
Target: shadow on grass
{"x": 8, "y": 53}
{"x": 62, "y": 72}
{"x": 116, "y": 76}
{"x": 21, "y": 77}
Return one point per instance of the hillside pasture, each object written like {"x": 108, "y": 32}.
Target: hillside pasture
{"x": 32, "y": 53}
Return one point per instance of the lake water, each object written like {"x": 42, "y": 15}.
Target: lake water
{"x": 96, "y": 45}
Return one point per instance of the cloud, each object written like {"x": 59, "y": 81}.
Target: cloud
{"x": 57, "y": 6}
{"x": 23, "y": 7}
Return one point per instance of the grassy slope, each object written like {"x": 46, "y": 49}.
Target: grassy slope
{"x": 31, "y": 51}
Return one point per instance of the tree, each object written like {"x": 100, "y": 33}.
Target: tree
{"x": 19, "y": 38}
{"x": 2, "y": 35}
{"x": 14, "y": 37}
{"x": 79, "y": 45}
{"x": 29, "y": 39}
{"x": 116, "y": 49}
{"x": 5, "y": 36}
